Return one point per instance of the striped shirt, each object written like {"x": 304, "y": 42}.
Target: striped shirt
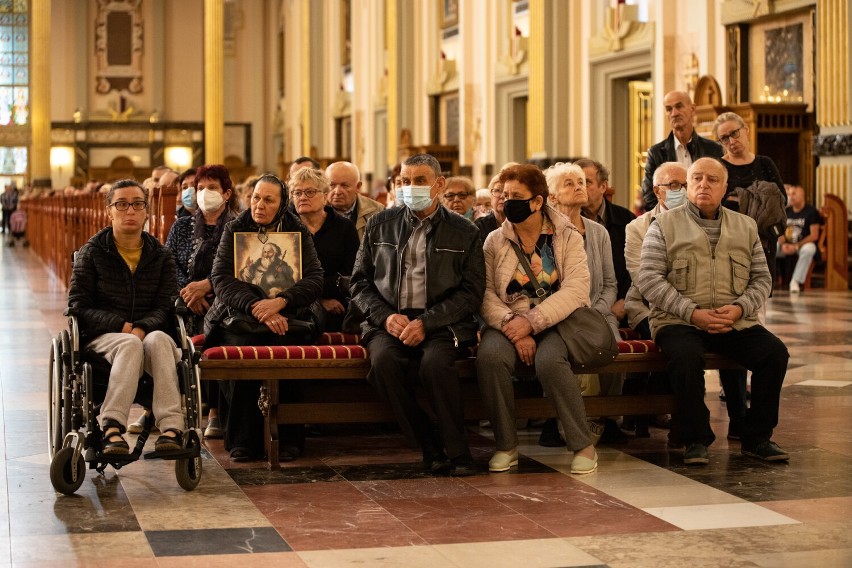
{"x": 412, "y": 290}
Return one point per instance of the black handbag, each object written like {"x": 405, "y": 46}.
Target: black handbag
{"x": 586, "y": 333}
{"x": 304, "y": 329}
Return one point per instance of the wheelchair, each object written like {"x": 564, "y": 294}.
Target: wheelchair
{"x": 77, "y": 385}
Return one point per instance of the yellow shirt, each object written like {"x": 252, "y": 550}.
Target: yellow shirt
{"x": 130, "y": 255}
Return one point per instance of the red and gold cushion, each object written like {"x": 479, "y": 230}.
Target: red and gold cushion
{"x": 284, "y": 352}
{"x": 628, "y": 333}
{"x": 330, "y": 338}
{"x": 638, "y": 346}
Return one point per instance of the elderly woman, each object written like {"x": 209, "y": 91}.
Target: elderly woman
{"x": 123, "y": 289}
{"x": 335, "y": 240}
{"x": 193, "y": 240}
{"x": 521, "y": 325}
{"x": 567, "y": 186}
{"x": 744, "y": 168}
{"x": 495, "y": 217}
{"x": 247, "y": 301}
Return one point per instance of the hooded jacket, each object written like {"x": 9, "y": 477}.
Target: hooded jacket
{"x": 105, "y": 294}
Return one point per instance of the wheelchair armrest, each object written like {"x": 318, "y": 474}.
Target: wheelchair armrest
{"x": 180, "y": 307}
{"x": 69, "y": 311}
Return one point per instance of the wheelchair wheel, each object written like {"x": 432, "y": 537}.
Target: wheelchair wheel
{"x": 55, "y": 432}
{"x": 188, "y": 471}
{"x": 62, "y": 476}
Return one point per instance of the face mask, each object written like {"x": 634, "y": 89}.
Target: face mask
{"x": 417, "y": 197}
{"x": 398, "y": 198}
{"x": 517, "y": 210}
{"x": 675, "y": 198}
{"x": 187, "y": 197}
{"x": 210, "y": 200}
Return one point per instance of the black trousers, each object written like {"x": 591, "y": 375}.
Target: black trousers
{"x": 390, "y": 362}
{"x": 243, "y": 421}
{"x": 754, "y": 348}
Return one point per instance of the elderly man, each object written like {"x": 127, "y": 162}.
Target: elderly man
{"x": 705, "y": 275}
{"x": 419, "y": 278}
{"x": 460, "y": 195}
{"x": 670, "y": 189}
{"x": 682, "y": 144}
{"x": 344, "y": 186}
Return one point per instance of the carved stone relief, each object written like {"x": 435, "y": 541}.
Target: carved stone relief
{"x": 119, "y": 46}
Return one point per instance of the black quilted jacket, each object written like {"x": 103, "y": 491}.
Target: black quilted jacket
{"x": 105, "y": 294}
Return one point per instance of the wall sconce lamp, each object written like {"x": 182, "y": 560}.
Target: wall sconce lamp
{"x": 178, "y": 158}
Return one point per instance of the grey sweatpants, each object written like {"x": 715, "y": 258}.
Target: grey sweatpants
{"x": 495, "y": 364}
{"x": 157, "y": 355}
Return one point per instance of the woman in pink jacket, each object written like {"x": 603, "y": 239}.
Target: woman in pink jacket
{"x": 520, "y": 321}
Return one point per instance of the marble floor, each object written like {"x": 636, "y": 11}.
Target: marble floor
{"x": 358, "y": 497}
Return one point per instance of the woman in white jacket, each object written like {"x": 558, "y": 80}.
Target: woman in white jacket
{"x": 520, "y": 325}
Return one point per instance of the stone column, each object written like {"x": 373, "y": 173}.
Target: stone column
{"x": 214, "y": 81}
{"x": 40, "y": 93}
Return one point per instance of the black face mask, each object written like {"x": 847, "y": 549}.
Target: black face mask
{"x": 517, "y": 210}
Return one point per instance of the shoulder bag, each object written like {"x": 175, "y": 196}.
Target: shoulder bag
{"x": 585, "y": 331}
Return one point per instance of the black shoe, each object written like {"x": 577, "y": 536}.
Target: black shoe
{"x": 436, "y": 462}
{"x": 241, "y": 454}
{"x": 663, "y": 421}
{"x": 696, "y": 454}
{"x": 549, "y": 437}
{"x": 734, "y": 430}
{"x": 612, "y": 434}
{"x": 289, "y": 453}
{"x": 766, "y": 451}
{"x": 463, "y": 468}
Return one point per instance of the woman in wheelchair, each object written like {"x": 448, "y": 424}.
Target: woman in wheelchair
{"x": 123, "y": 287}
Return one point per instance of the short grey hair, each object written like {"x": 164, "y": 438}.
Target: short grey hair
{"x": 555, "y": 173}
{"x": 349, "y": 165}
{"x": 311, "y": 176}
{"x": 424, "y": 160}
{"x": 662, "y": 168}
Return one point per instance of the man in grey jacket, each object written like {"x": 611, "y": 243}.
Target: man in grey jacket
{"x": 705, "y": 288}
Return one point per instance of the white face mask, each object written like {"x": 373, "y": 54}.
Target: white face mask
{"x": 675, "y": 198}
{"x": 210, "y": 200}
{"x": 417, "y": 197}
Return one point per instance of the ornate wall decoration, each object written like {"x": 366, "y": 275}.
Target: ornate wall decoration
{"x": 833, "y": 145}
{"x": 119, "y": 46}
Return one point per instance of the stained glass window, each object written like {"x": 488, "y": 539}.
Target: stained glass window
{"x": 14, "y": 79}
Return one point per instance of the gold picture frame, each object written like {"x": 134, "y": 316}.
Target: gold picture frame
{"x": 270, "y": 261}
{"x": 449, "y": 14}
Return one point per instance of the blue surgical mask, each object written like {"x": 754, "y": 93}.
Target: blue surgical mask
{"x": 187, "y": 197}
{"x": 417, "y": 197}
{"x": 675, "y": 198}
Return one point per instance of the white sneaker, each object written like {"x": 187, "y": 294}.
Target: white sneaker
{"x": 503, "y": 461}
{"x": 794, "y": 287}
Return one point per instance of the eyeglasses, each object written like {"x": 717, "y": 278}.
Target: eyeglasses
{"x": 125, "y": 205}
{"x": 309, "y": 193}
{"x": 725, "y": 138}
{"x": 452, "y": 196}
{"x": 674, "y": 186}
{"x": 497, "y": 192}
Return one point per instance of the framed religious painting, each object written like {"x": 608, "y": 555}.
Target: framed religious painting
{"x": 272, "y": 261}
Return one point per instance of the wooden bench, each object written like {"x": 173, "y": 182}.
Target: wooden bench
{"x": 335, "y": 390}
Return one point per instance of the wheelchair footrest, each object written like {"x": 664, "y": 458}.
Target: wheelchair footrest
{"x": 188, "y": 453}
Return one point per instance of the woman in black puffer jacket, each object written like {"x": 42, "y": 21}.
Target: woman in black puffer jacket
{"x": 123, "y": 288}
{"x": 260, "y": 304}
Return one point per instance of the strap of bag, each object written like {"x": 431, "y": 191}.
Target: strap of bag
{"x": 539, "y": 291}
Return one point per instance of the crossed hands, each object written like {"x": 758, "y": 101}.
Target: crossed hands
{"x": 194, "y": 295}
{"x": 519, "y": 331}
{"x": 720, "y": 320}
{"x": 410, "y": 332}
{"x": 267, "y": 311}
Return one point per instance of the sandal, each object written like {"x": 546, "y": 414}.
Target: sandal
{"x": 169, "y": 443}
{"x": 113, "y": 442}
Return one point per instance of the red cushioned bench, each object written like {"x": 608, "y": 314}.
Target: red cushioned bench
{"x": 335, "y": 368}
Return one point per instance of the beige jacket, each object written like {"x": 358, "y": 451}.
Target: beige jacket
{"x": 634, "y": 304}
{"x": 501, "y": 263}
{"x": 366, "y": 208}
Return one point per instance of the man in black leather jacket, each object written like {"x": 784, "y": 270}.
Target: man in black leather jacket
{"x": 419, "y": 278}
{"x": 682, "y": 144}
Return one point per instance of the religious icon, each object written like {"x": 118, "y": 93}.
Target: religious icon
{"x": 273, "y": 263}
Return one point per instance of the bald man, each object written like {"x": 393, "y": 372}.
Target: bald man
{"x": 682, "y": 144}
{"x": 344, "y": 186}
{"x": 704, "y": 273}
